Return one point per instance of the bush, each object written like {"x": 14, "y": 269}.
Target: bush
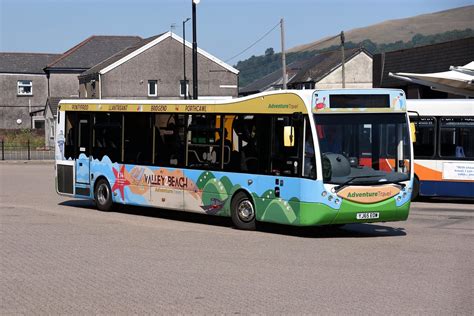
{"x": 21, "y": 136}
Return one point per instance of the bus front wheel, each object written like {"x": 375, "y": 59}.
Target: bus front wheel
{"x": 243, "y": 212}
{"x": 103, "y": 195}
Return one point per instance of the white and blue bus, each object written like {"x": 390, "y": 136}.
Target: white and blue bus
{"x": 443, "y": 147}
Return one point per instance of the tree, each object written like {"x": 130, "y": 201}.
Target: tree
{"x": 269, "y": 51}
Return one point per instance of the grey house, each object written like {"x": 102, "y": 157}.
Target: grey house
{"x": 23, "y": 89}
{"x": 153, "y": 69}
{"x": 322, "y": 71}
{"x": 62, "y": 73}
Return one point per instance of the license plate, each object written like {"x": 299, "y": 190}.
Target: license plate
{"x": 371, "y": 215}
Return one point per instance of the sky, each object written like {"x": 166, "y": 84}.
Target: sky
{"x": 224, "y": 27}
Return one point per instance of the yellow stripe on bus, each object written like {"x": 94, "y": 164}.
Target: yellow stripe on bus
{"x": 279, "y": 103}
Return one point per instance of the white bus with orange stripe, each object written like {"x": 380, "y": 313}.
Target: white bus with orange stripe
{"x": 444, "y": 147}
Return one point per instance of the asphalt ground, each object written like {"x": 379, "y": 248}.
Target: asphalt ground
{"x": 62, "y": 256}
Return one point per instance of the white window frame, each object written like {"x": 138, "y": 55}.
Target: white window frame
{"x": 51, "y": 131}
{"x": 187, "y": 88}
{"x": 156, "y": 88}
{"x": 24, "y": 83}
{"x": 38, "y": 119}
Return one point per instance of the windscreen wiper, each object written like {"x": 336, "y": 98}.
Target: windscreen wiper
{"x": 395, "y": 182}
{"x": 352, "y": 179}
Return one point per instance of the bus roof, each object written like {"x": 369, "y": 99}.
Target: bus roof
{"x": 279, "y": 101}
{"x": 442, "y": 107}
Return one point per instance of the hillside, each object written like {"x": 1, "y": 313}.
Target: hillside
{"x": 403, "y": 29}
{"x": 390, "y": 35}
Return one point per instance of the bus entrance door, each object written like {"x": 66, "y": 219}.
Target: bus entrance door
{"x": 83, "y": 162}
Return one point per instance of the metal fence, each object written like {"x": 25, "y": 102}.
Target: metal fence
{"x": 24, "y": 151}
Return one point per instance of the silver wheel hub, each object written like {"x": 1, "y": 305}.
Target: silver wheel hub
{"x": 246, "y": 211}
{"x": 103, "y": 194}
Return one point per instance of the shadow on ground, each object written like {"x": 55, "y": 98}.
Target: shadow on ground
{"x": 345, "y": 231}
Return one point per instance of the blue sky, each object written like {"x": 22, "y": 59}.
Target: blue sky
{"x": 224, "y": 27}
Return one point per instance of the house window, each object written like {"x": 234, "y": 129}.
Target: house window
{"x": 38, "y": 123}
{"x": 183, "y": 88}
{"x": 152, "y": 88}
{"x": 25, "y": 87}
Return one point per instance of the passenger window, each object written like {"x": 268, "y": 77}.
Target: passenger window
{"x": 286, "y": 160}
{"x": 424, "y": 146}
{"x": 457, "y": 137}
{"x": 230, "y": 149}
{"x": 108, "y": 136}
{"x": 204, "y": 147}
{"x": 170, "y": 140}
{"x": 251, "y": 144}
{"x": 77, "y": 137}
{"x": 70, "y": 135}
{"x": 138, "y": 138}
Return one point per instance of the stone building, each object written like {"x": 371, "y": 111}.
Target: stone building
{"x": 23, "y": 89}
{"x": 153, "y": 69}
{"x": 322, "y": 71}
{"x": 63, "y": 72}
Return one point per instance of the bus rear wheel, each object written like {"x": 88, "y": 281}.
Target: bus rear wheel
{"x": 103, "y": 195}
{"x": 243, "y": 212}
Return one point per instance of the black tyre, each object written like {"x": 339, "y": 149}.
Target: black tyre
{"x": 103, "y": 195}
{"x": 243, "y": 212}
{"x": 416, "y": 189}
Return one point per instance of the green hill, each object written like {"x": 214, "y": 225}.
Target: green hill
{"x": 390, "y": 35}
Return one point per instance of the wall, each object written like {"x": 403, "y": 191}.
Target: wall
{"x": 358, "y": 73}
{"x": 164, "y": 63}
{"x": 13, "y": 106}
{"x": 49, "y": 127}
{"x": 64, "y": 84}
{"x": 89, "y": 90}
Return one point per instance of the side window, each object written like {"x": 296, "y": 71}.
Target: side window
{"x": 78, "y": 136}
{"x": 251, "y": 138}
{"x": 184, "y": 88}
{"x": 169, "y": 140}
{"x": 108, "y": 136}
{"x": 204, "y": 147}
{"x": 70, "y": 135}
{"x": 24, "y": 87}
{"x": 152, "y": 88}
{"x": 424, "y": 146}
{"x": 286, "y": 145}
{"x": 138, "y": 138}
{"x": 457, "y": 137}
{"x": 84, "y": 136}
{"x": 230, "y": 145}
